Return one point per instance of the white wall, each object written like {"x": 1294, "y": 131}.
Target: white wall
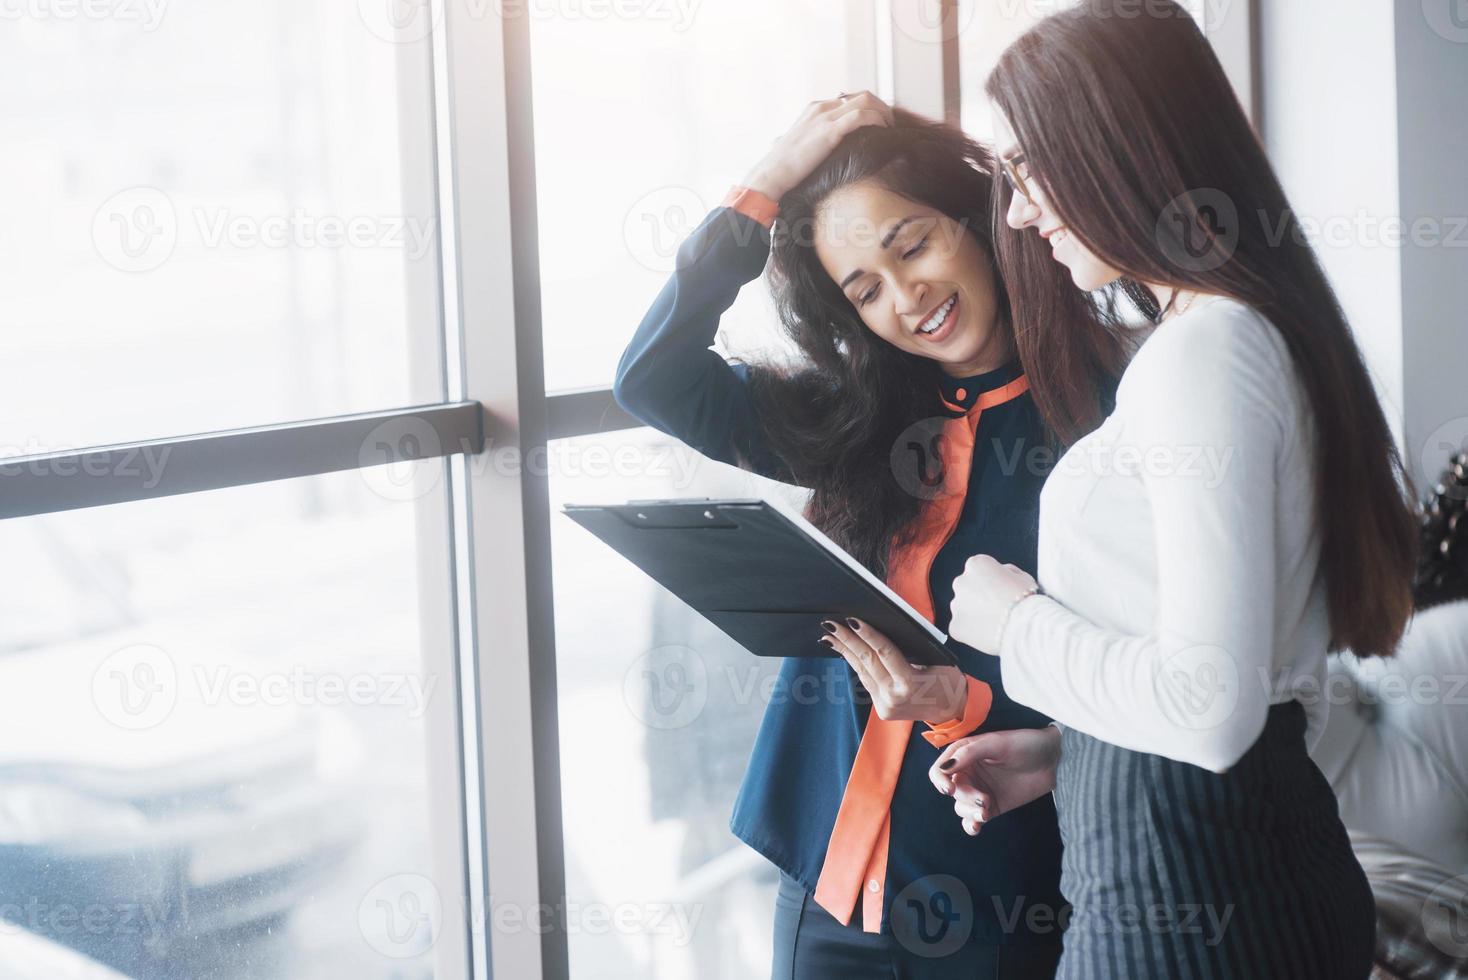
{"x": 1432, "y": 153}
{"x": 1364, "y": 118}
{"x": 1330, "y": 122}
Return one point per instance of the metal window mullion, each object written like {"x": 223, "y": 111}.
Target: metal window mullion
{"x": 584, "y": 413}
{"x": 1232, "y": 32}
{"x": 951, "y": 64}
{"x": 432, "y": 364}
{"x": 508, "y": 587}
{"x": 916, "y": 30}
{"x": 126, "y": 472}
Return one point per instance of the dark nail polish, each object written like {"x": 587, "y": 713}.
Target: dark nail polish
{"x": 828, "y": 626}
{"x": 826, "y": 642}
{"x": 946, "y": 764}
{"x": 853, "y": 624}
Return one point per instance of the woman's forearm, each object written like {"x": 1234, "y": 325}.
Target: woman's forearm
{"x": 668, "y": 377}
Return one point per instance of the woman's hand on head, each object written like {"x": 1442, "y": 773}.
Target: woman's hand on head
{"x": 983, "y": 597}
{"x": 900, "y": 690}
{"x": 995, "y": 772}
{"x": 815, "y": 134}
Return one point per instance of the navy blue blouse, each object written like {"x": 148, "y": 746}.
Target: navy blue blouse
{"x": 670, "y": 379}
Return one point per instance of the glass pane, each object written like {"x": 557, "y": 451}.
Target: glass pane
{"x": 658, "y": 714}
{"x": 211, "y": 215}
{"x": 642, "y": 122}
{"x": 214, "y": 715}
{"x": 986, "y": 28}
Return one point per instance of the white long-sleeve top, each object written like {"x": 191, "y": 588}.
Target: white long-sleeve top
{"x": 1178, "y": 552}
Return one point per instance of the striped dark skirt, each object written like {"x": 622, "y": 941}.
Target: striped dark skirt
{"x": 1177, "y": 872}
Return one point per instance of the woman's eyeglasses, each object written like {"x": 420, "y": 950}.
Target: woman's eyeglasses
{"x": 1017, "y": 170}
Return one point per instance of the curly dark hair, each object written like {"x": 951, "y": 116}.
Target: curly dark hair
{"x": 837, "y": 417}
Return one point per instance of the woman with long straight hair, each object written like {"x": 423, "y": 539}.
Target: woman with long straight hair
{"x": 910, "y": 421}
{"x": 1241, "y": 512}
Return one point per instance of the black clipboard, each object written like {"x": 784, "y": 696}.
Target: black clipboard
{"x": 759, "y": 572}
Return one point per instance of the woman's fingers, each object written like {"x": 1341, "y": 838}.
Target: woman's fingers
{"x": 855, "y": 642}
{"x": 898, "y": 688}
{"x": 866, "y": 666}
{"x": 966, "y": 752}
{"x": 863, "y": 100}
{"x": 973, "y": 799}
{"x": 821, "y": 107}
{"x": 973, "y": 805}
{"x": 838, "y": 108}
{"x": 949, "y": 785}
{"x": 874, "y": 101}
{"x": 890, "y": 659}
{"x": 862, "y": 673}
{"x": 942, "y": 773}
{"x": 977, "y": 810}
{"x": 978, "y": 807}
{"x": 973, "y": 815}
{"x": 853, "y": 119}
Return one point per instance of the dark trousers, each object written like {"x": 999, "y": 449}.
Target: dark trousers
{"x": 811, "y": 945}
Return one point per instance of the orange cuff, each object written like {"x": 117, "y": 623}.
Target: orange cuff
{"x": 753, "y": 204}
{"x": 975, "y": 710}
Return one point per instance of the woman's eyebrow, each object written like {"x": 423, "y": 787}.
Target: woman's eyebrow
{"x": 886, "y": 242}
{"x": 887, "y": 238}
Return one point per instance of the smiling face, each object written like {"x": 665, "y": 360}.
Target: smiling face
{"x": 916, "y": 277}
{"x": 1029, "y": 208}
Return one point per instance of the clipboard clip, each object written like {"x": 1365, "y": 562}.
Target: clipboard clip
{"x": 683, "y": 514}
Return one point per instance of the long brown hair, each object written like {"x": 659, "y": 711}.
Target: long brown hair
{"x": 837, "y": 418}
{"x": 1134, "y": 134}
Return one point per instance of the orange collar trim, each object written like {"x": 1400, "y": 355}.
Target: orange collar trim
{"x": 995, "y": 396}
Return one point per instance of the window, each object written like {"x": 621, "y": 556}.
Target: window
{"x": 658, "y": 709}
{"x": 213, "y": 218}
{"x": 218, "y": 713}
{"x": 985, "y": 29}
{"x": 642, "y": 123}
{"x": 658, "y": 716}
{"x": 232, "y": 725}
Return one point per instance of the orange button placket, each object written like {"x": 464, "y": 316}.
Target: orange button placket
{"x": 856, "y": 856}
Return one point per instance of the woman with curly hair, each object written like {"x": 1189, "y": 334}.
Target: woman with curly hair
{"x": 918, "y": 431}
